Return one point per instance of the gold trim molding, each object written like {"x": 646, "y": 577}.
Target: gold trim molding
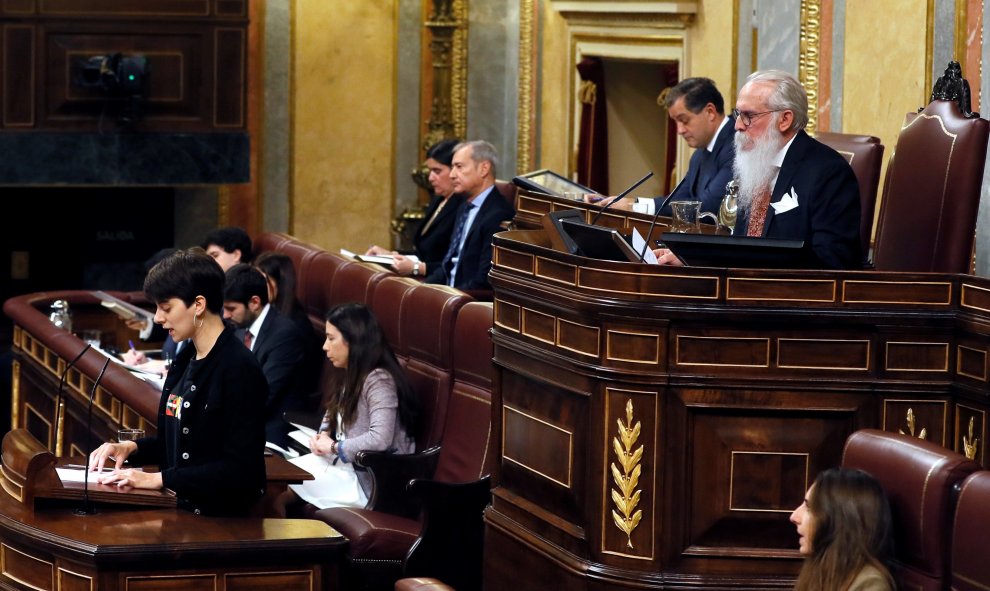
{"x": 527, "y": 86}
{"x": 810, "y": 55}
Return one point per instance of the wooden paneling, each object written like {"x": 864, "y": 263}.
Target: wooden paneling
{"x": 743, "y": 385}
{"x": 196, "y": 52}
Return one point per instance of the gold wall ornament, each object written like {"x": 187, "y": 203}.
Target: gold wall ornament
{"x": 587, "y": 92}
{"x": 526, "y": 138}
{"x": 911, "y": 426}
{"x": 447, "y": 30}
{"x": 809, "y": 56}
{"x": 970, "y": 443}
{"x": 626, "y": 498}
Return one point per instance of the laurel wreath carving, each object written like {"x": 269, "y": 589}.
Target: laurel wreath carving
{"x": 970, "y": 443}
{"x": 911, "y": 427}
{"x": 626, "y": 475}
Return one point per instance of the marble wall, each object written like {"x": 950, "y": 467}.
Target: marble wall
{"x": 343, "y": 122}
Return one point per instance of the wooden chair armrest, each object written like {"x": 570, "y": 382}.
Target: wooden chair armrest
{"x": 451, "y": 542}
{"x": 391, "y": 474}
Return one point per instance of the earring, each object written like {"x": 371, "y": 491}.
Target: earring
{"x": 201, "y": 321}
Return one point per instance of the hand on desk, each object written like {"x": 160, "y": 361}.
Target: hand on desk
{"x": 116, "y": 452}
{"x": 403, "y": 265}
{"x": 625, "y": 203}
{"x": 134, "y": 357}
{"x": 666, "y": 257}
{"x": 132, "y": 478}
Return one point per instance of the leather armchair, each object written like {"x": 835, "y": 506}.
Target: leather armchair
{"x": 865, "y": 155}
{"x": 919, "y": 478}
{"x": 932, "y": 192}
{"x": 446, "y": 540}
{"x": 970, "y": 527}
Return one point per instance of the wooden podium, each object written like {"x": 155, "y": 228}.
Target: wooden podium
{"x": 29, "y": 473}
{"x": 654, "y": 427}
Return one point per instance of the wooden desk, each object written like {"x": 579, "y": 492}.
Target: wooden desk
{"x": 120, "y": 549}
{"x": 654, "y": 427}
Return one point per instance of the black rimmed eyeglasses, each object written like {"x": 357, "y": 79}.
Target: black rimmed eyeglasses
{"x": 747, "y": 118}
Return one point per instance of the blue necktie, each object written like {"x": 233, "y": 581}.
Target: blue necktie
{"x": 455, "y": 238}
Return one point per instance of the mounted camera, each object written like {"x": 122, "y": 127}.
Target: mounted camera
{"x": 115, "y": 74}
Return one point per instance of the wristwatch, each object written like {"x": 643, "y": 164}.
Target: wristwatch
{"x": 416, "y": 268}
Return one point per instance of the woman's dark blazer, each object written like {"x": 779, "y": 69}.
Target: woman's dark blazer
{"x": 220, "y": 467}
{"x": 432, "y": 246}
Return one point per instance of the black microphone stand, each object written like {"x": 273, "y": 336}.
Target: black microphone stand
{"x": 620, "y": 196}
{"x": 61, "y": 390}
{"x": 86, "y": 509}
{"x": 653, "y": 223}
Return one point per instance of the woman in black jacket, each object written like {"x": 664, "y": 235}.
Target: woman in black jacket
{"x": 211, "y": 428}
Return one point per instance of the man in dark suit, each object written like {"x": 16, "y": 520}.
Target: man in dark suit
{"x": 479, "y": 216}
{"x": 790, "y": 185}
{"x": 284, "y": 353}
{"x": 697, "y": 109}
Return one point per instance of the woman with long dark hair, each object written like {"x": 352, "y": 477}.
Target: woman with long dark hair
{"x": 845, "y": 533}
{"x": 369, "y": 406}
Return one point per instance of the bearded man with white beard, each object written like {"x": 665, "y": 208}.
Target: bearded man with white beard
{"x": 790, "y": 185}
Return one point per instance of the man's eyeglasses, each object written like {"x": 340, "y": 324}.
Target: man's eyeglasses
{"x": 747, "y": 118}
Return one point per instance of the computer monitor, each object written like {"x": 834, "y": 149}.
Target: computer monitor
{"x": 548, "y": 182}
{"x": 598, "y": 242}
{"x": 712, "y": 250}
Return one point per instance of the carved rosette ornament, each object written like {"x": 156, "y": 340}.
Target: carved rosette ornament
{"x": 809, "y": 56}
{"x": 626, "y": 475}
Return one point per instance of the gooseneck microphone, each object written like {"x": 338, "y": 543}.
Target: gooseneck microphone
{"x": 86, "y": 509}
{"x": 653, "y": 223}
{"x": 58, "y": 398}
{"x": 620, "y": 196}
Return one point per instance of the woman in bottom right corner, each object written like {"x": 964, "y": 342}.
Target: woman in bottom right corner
{"x": 846, "y": 534}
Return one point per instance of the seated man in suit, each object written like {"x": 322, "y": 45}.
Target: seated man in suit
{"x": 276, "y": 342}
{"x": 697, "y": 108}
{"x": 479, "y": 216}
{"x": 790, "y": 185}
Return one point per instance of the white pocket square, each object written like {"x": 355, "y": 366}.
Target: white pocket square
{"x": 788, "y": 202}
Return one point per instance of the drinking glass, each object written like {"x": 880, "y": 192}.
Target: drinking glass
{"x": 129, "y": 435}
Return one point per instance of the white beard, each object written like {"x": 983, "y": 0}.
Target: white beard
{"x": 755, "y": 168}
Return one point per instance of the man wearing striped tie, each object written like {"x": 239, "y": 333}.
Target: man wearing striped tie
{"x": 480, "y": 215}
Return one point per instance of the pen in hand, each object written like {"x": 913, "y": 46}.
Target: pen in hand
{"x": 131, "y": 344}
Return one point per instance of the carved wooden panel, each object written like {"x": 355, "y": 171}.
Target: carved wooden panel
{"x": 196, "y": 53}
{"x": 971, "y": 433}
{"x": 923, "y": 418}
{"x": 754, "y": 455}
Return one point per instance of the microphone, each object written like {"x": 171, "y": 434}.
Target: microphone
{"x": 86, "y": 509}
{"x": 58, "y": 399}
{"x": 620, "y": 196}
{"x": 653, "y": 222}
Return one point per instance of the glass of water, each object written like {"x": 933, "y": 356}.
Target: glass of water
{"x": 129, "y": 435}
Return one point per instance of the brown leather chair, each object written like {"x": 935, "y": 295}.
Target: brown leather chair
{"x": 932, "y": 192}
{"x": 317, "y": 290}
{"x": 970, "y": 532}
{"x": 271, "y": 241}
{"x": 389, "y": 304}
{"x": 356, "y": 283}
{"x": 865, "y": 155}
{"x": 919, "y": 478}
{"x": 446, "y": 541}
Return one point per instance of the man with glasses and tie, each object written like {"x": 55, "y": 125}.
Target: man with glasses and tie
{"x": 790, "y": 185}
{"x": 479, "y": 216}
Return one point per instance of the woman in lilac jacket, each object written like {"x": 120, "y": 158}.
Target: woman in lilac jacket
{"x": 369, "y": 406}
